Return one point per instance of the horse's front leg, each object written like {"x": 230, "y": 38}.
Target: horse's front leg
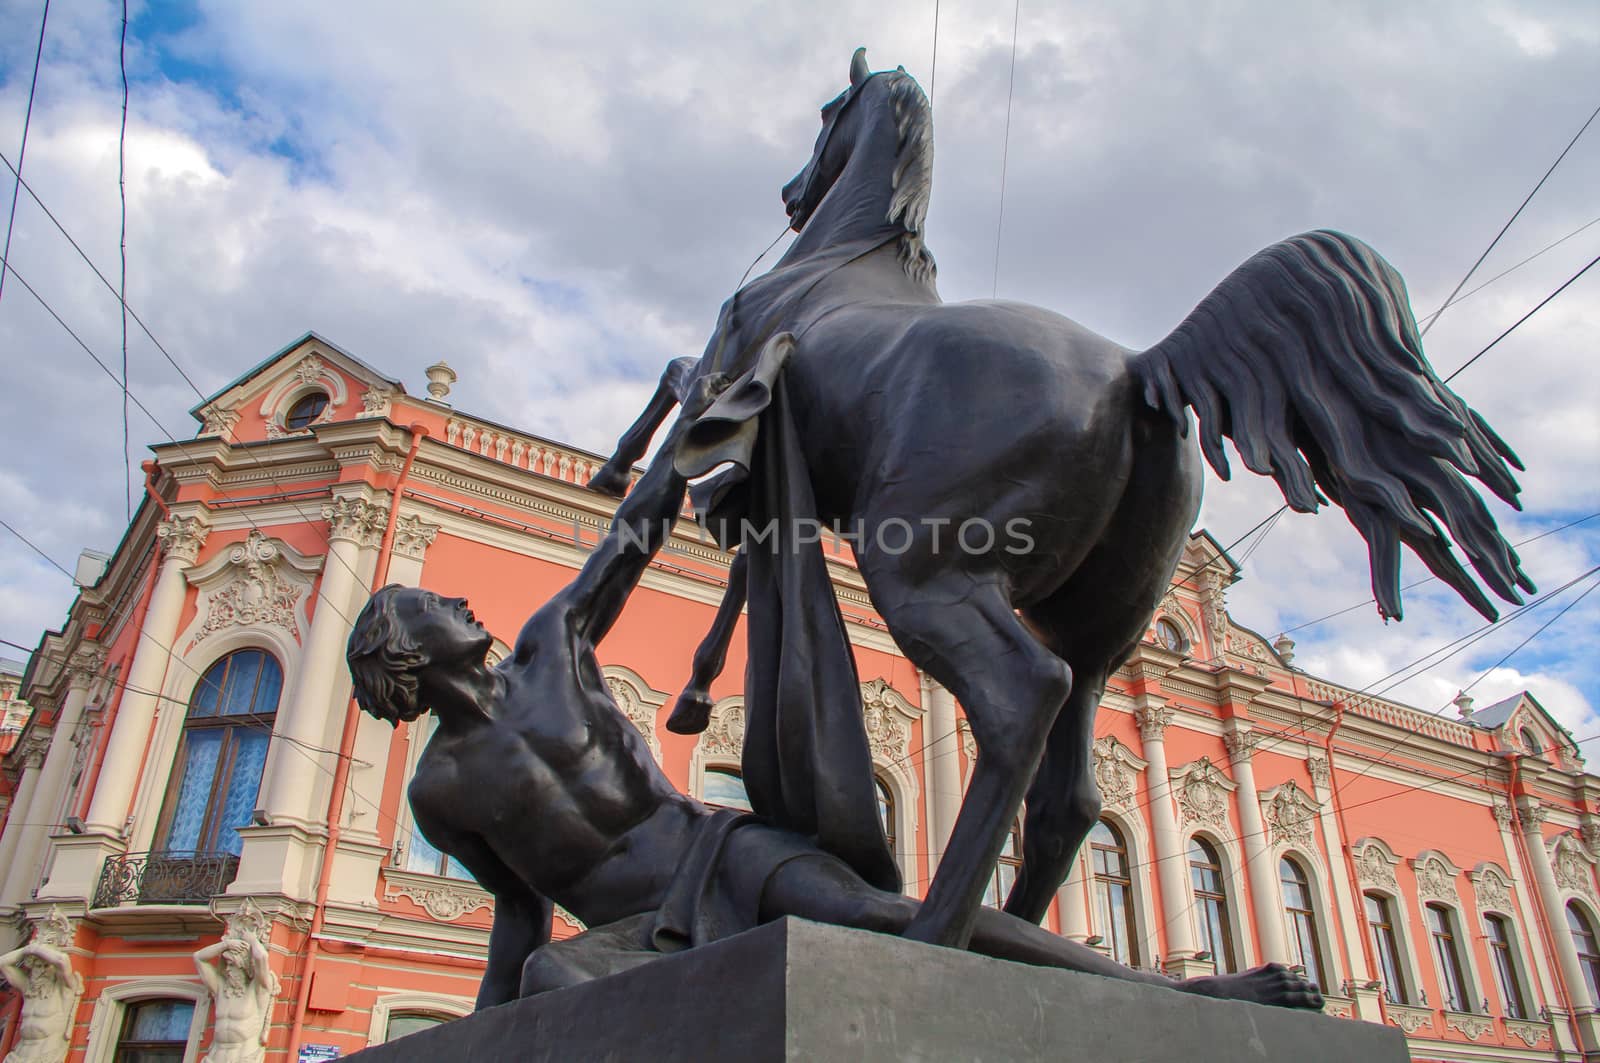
{"x": 612, "y": 479}
{"x": 693, "y": 711}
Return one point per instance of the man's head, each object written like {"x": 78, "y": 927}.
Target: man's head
{"x": 402, "y": 634}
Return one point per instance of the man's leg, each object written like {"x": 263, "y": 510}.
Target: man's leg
{"x": 823, "y": 889}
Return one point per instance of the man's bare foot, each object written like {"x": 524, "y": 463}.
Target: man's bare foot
{"x": 1271, "y": 983}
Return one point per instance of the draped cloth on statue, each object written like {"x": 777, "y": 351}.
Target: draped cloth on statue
{"x": 806, "y": 763}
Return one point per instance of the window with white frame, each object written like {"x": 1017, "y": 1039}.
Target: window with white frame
{"x": 1447, "y": 956}
{"x": 1502, "y": 957}
{"x": 1113, "y": 893}
{"x": 154, "y": 1031}
{"x": 1211, "y": 904}
{"x": 1588, "y": 947}
{"x": 1304, "y": 942}
{"x": 1386, "y": 946}
{"x": 1005, "y": 869}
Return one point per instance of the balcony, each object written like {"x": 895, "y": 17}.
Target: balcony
{"x": 164, "y": 877}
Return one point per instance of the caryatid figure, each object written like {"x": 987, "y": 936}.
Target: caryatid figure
{"x": 42, "y": 972}
{"x": 237, "y": 970}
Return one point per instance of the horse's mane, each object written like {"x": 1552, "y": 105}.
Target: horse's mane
{"x": 912, "y": 180}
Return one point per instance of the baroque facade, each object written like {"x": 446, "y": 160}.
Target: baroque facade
{"x": 194, "y": 807}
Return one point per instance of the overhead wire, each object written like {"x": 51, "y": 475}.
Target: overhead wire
{"x": 30, "y": 545}
{"x": 22, "y": 152}
{"x": 1514, "y": 216}
{"x": 122, "y": 247}
{"x": 1542, "y": 303}
{"x": 1005, "y": 148}
{"x": 1512, "y": 269}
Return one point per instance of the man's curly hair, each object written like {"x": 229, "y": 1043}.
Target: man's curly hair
{"x": 384, "y": 660}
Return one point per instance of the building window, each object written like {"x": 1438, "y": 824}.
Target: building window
{"x": 1113, "y": 893}
{"x": 402, "y": 1023}
{"x": 1505, "y": 967}
{"x": 422, "y": 857}
{"x": 1005, "y": 870}
{"x": 1302, "y": 920}
{"x": 1531, "y": 743}
{"x": 155, "y": 1031}
{"x": 724, "y": 788}
{"x": 885, "y": 810}
{"x": 218, "y": 771}
{"x": 1441, "y": 926}
{"x": 1588, "y": 949}
{"x": 305, "y": 411}
{"x": 1170, "y": 635}
{"x": 1211, "y": 904}
{"x": 1380, "y": 920}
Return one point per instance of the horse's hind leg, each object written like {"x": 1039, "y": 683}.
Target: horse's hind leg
{"x": 693, "y": 709}
{"x": 612, "y": 479}
{"x": 961, "y": 629}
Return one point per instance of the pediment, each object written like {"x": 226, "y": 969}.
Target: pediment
{"x": 253, "y": 407}
{"x": 257, "y": 582}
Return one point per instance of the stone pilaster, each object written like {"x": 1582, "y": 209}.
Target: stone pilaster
{"x": 1261, "y": 870}
{"x": 1153, "y": 717}
{"x": 942, "y": 767}
{"x": 21, "y": 830}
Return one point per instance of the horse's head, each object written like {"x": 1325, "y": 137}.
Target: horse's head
{"x": 849, "y": 122}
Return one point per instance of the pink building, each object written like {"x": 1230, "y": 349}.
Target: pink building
{"x": 191, "y": 757}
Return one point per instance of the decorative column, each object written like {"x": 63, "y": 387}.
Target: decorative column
{"x": 1153, "y": 716}
{"x": 1538, "y": 947}
{"x": 28, "y": 859}
{"x": 941, "y": 762}
{"x": 181, "y": 537}
{"x": 1349, "y": 922}
{"x": 1532, "y": 815}
{"x": 19, "y": 821}
{"x": 1240, "y": 742}
{"x": 297, "y": 775}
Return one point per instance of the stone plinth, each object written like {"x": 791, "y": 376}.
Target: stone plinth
{"x": 794, "y": 990}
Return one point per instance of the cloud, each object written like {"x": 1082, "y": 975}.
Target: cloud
{"x": 556, "y": 200}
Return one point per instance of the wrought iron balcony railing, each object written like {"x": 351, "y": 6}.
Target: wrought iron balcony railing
{"x": 164, "y": 877}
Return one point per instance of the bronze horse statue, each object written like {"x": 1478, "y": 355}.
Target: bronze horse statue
{"x": 913, "y": 411}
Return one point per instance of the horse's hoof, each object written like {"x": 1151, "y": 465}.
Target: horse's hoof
{"x": 691, "y": 714}
{"x": 610, "y": 480}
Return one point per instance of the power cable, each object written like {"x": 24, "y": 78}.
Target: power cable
{"x": 1005, "y": 149}
{"x": 29, "y": 544}
{"x": 27, "y": 120}
{"x": 1512, "y": 269}
{"x": 122, "y": 245}
{"x": 1515, "y": 214}
{"x": 1521, "y": 319}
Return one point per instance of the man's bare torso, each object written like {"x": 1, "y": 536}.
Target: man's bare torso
{"x": 542, "y": 791}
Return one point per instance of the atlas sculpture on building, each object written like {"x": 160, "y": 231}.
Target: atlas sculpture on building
{"x": 838, "y": 389}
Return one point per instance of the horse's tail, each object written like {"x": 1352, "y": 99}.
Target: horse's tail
{"x": 1308, "y": 358}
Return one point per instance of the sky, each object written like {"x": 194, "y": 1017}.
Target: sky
{"x": 556, "y": 198}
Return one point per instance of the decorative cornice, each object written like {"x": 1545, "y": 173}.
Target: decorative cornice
{"x": 85, "y": 666}
{"x": 885, "y": 713}
{"x": 1573, "y": 864}
{"x": 1203, "y": 791}
{"x": 1408, "y": 1018}
{"x": 1491, "y": 889}
{"x": 1116, "y": 771}
{"x": 217, "y": 421}
{"x": 181, "y": 537}
{"x": 1153, "y": 721}
{"x": 376, "y": 401}
{"x": 444, "y": 899}
{"x": 1290, "y": 813}
{"x": 413, "y": 536}
{"x": 1467, "y": 1024}
{"x": 1240, "y": 741}
{"x": 1436, "y": 878}
{"x": 1375, "y": 864}
{"x": 1533, "y": 813}
{"x": 358, "y": 520}
{"x": 1527, "y": 1031}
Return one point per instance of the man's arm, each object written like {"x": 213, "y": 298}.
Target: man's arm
{"x": 208, "y": 973}
{"x": 641, "y": 526}
{"x": 57, "y": 959}
{"x": 522, "y": 917}
{"x": 10, "y": 966}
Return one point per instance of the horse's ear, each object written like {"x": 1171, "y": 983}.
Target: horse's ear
{"x": 858, "y": 68}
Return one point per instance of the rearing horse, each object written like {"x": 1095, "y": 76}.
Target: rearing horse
{"x": 921, "y": 415}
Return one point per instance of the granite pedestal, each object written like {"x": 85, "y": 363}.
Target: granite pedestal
{"x": 794, "y": 990}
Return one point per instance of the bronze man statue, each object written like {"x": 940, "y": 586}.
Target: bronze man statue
{"x": 545, "y": 791}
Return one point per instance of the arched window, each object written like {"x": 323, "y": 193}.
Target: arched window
{"x": 1303, "y": 942}
{"x": 1005, "y": 870}
{"x": 1380, "y": 920}
{"x": 155, "y": 1031}
{"x": 1512, "y": 995}
{"x": 405, "y": 1022}
{"x": 305, "y": 410}
{"x": 1170, "y": 635}
{"x": 1531, "y": 744}
{"x": 1211, "y": 903}
{"x": 1588, "y": 949}
{"x": 214, "y": 782}
{"x": 1446, "y": 952}
{"x": 724, "y": 788}
{"x": 886, "y": 810}
{"x": 1113, "y": 893}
